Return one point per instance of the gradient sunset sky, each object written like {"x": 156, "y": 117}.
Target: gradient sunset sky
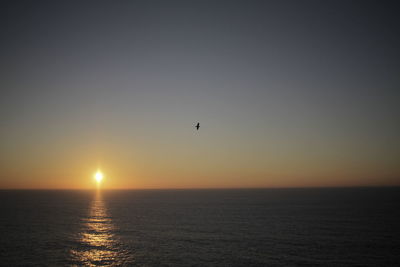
{"x": 287, "y": 93}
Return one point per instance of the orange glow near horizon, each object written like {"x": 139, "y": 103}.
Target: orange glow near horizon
{"x": 125, "y": 177}
{"x": 183, "y": 168}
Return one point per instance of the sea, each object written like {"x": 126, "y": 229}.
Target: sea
{"x": 232, "y": 227}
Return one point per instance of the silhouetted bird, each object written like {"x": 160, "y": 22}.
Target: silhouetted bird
{"x": 198, "y": 126}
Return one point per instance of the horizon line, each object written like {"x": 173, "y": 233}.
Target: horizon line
{"x": 199, "y": 188}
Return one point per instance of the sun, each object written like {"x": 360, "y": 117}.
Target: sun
{"x": 98, "y": 176}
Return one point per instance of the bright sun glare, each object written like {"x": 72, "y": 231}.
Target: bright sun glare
{"x": 98, "y": 176}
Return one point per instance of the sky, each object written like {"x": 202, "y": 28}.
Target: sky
{"x": 287, "y": 93}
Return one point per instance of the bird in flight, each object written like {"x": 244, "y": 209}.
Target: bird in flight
{"x": 198, "y": 126}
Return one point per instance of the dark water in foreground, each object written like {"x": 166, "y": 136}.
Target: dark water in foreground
{"x": 268, "y": 227}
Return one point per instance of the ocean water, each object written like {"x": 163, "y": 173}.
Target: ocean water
{"x": 259, "y": 227}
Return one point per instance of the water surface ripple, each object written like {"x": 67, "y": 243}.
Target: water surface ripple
{"x": 259, "y": 227}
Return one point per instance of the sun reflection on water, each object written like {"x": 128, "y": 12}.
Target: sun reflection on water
{"x": 98, "y": 244}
